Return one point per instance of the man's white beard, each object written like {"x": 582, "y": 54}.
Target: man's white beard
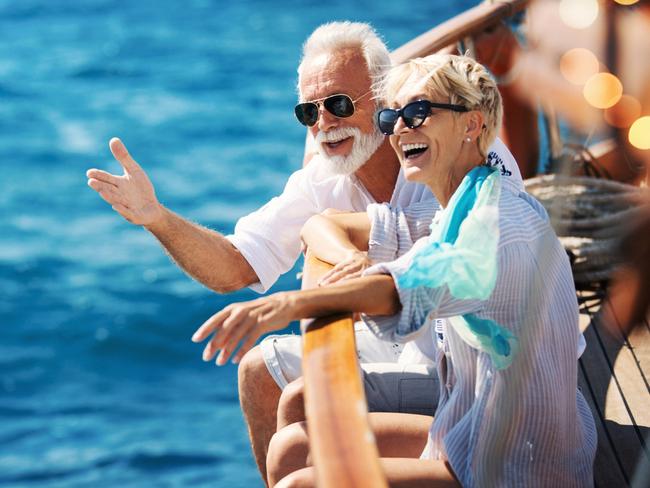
{"x": 363, "y": 147}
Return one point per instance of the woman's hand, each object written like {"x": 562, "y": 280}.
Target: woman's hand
{"x": 244, "y": 323}
{"x": 351, "y": 267}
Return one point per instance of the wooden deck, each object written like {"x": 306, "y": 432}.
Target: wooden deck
{"x": 614, "y": 376}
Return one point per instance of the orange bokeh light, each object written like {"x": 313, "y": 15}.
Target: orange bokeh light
{"x": 626, "y": 2}
{"x": 639, "y": 134}
{"x": 578, "y": 65}
{"x": 603, "y": 90}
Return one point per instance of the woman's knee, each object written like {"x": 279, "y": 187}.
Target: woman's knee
{"x": 291, "y": 407}
{"x": 302, "y": 478}
{"x": 288, "y": 451}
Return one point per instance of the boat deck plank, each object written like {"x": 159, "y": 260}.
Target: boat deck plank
{"x": 613, "y": 378}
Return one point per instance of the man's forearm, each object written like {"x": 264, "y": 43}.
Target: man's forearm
{"x": 204, "y": 254}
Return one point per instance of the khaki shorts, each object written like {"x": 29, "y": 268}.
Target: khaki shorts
{"x": 389, "y": 386}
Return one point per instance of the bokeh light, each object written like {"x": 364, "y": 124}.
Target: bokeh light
{"x": 639, "y": 134}
{"x": 578, "y": 65}
{"x": 624, "y": 113}
{"x": 578, "y": 14}
{"x": 603, "y": 90}
{"x": 626, "y": 2}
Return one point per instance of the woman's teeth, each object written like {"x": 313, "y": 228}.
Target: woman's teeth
{"x": 413, "y": 149}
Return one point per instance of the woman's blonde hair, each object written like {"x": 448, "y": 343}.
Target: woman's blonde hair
{"x": 453, "y": 79}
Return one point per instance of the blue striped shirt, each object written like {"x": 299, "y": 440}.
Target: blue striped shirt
{"x": 526, "y": 425}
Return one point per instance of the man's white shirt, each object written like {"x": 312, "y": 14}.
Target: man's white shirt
{"x": 269, "y": 238}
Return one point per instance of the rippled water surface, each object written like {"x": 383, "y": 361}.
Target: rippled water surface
{"x": 99, "y": 382}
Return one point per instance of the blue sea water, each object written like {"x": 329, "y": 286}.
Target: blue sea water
{"x": 99, "y": 382}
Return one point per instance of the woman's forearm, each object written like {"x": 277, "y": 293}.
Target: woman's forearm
{"x": 374, "y": 295}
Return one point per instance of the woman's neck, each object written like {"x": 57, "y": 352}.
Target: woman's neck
{"x": 444, "y": 185}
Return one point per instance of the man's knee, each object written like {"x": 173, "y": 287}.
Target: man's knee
{"x": 254, "y": 378}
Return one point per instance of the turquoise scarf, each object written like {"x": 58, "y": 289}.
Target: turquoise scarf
{"x": 462, "y": 254}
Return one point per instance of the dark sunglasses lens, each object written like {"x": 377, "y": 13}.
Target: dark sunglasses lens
{"x": 339, "y": 105}
{"x": 386, "y": 120}
{"x": 415, "y": 113}
{"x": 307, "y": 113}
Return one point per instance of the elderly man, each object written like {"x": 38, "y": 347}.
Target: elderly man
{"x": 355, "y": 166}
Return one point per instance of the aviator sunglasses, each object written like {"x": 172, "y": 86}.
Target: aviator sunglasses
{"x": 413, "y": 114}
{"x": 339, "y": 105}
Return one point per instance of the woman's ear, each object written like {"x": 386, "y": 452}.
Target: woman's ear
{"x": 475, "y": 121}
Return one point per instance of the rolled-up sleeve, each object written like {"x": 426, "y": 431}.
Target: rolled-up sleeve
{"x": 269, "y": 238}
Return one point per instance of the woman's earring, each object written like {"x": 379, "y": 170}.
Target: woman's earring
{"x": 468, "y": 139}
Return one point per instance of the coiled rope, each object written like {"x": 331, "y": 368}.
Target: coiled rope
{"x": 588, "y": 214}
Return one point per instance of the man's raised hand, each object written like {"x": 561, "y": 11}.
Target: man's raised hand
{"x": 131, "y": 194}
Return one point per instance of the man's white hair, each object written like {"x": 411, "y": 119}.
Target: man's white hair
{"x": 335, "y": 36}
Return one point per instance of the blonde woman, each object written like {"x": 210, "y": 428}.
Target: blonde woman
{"x": 509, "y": 412}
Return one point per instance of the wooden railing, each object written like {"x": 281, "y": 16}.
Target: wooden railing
{"x": 341, "y": 443}
{"x": 466, "y": 25}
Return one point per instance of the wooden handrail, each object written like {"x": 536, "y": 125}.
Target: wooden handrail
{"x": 469, "y": 23}
{"x": 342, "y": 445}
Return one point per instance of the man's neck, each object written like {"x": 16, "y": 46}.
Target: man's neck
{"x": 379, "y": 174}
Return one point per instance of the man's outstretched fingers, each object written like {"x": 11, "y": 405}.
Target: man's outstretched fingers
{"x": 122, "y": 155}
{"x": 98, "y": 174}
{"x": 96, "y": 184}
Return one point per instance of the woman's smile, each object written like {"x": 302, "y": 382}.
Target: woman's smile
{"x": 414, "y": 150}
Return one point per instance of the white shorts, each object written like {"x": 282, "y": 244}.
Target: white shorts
{"x": 389, "y": 386}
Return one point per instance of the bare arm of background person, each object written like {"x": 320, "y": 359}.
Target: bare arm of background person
{"x": 202, "y": 253}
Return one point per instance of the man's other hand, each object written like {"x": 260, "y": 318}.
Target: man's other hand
{"x": 131, "y": 194}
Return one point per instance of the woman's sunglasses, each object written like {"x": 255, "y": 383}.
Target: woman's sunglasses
{"x": 340, "y": 105}
{"x": 413, "y": 114}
